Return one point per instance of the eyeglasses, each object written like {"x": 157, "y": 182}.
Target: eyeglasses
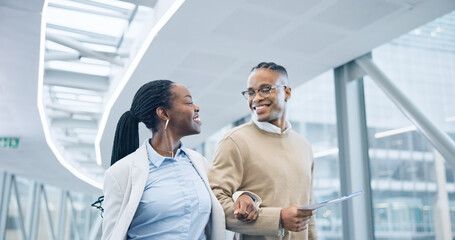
{"x": 263, "y": 92}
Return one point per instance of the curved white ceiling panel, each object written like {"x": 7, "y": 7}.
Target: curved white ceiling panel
{"x": 90, "y": 49}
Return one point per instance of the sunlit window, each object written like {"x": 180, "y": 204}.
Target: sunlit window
{"x": 404, "y": 178}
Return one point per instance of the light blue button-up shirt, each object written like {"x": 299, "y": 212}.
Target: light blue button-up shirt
{"x": 175, "y": 203}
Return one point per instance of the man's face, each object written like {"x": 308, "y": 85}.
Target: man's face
{"x": 272, "y": 108}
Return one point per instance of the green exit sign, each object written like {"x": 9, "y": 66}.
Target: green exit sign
{"x": 9, "y": 142}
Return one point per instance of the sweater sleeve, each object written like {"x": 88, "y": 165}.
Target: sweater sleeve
{"x": 225, "y": 176}
{"x": 312, "y": 228}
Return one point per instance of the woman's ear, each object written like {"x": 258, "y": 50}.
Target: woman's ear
{"x": 162, "y": 113}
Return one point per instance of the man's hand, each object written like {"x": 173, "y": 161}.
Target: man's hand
{"x": 245, "y": 209}
{"x": 295, "y": 220}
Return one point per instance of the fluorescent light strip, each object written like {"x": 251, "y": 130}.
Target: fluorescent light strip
{"x": 394, "y": 132}
{"x": 325, "y": 153}
{"x": 405, "y": 129}
{"x": 450, "y": 119}
{"x": 42, "y": 113}
{"x": 158, "y": 26}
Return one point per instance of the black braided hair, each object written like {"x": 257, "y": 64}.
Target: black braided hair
{"x": 148, "y": 98}
{"x": 271, "y": 66}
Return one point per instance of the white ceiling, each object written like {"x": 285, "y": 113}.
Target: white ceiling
{"x": 208, "y": 46}
{"x": 20, "y": 23}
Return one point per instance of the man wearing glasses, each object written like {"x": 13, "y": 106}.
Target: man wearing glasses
{"x": 268, "y": 158}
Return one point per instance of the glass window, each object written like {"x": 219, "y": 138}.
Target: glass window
{"x": 44, "y": 223}
{"x": 50, "y": 203}
{"x": 13, "y": 223}
{"x": 403, "y": 174}
{"x": 312, "y": 114}
{"x": 80, "y": 221}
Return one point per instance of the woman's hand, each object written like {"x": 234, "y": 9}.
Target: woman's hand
{"x": 245, "y": 209}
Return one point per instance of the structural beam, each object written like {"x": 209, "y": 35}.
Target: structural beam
{"x": 5, "y": 201}
{"x": 438, "y": 138}
{"x": 35, "y": 211}
{"x": 76, "y": 80}
{"x": 74, "y": 123}
{"x": 20, "y": 215}
{"x": 85, "y": 51}
{"x": 86, "y": 10}
{"x": 71, "y": 140}
{"x": 48, "y": 213}
{"x": 441, "y": 206}
{"x": 147, "y": 3}
{"x": 104, "y": 5}
{"x": 108, "y": 40}
{"x": 61, "y": 56}
{"x": 62, "y": 215}
{"x": 353, "y": 153}
{"x": 75, "y": 110}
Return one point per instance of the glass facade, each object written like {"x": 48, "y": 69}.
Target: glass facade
{"x": 402, "y": 177}
{"x": 403, "y": 174}
{"x": 312, "y": 115}
{"x": 30, "y": 210}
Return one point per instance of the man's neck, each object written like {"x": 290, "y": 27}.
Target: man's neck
{"x": 273, "y": 128}
{"x": 280, "y": 123}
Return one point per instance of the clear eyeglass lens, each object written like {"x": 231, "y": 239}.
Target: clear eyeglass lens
{"x": 265, "y": 91}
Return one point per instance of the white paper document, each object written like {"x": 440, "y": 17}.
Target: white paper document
{"x": 330, "y": 202}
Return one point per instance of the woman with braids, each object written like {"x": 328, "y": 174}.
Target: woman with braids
{"x": 160, "y": 189}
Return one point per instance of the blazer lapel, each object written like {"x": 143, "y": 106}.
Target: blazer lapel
{"x": 139, "y": 172}
{"x": 217, "y": 224}
{"x": 199, "y": 166}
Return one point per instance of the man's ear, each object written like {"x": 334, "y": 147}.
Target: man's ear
{"x": 287, "y": 92}
{"x": 162, "y": 113}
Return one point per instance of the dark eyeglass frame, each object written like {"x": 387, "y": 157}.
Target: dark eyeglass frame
{"x": 263, "y": 91}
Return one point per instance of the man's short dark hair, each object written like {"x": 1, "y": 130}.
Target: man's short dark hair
{"x": 271, "y": 66}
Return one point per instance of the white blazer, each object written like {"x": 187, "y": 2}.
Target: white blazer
{"x": 124, "y": 184}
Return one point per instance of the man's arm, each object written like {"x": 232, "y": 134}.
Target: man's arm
{"x": 225, "y": 176}
{"x": 312, "y": 229}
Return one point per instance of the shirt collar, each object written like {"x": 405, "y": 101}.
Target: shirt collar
{"x": 268, "y": 127}
{"x": 156, "y": 159}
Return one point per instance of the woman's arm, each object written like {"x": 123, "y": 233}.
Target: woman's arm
{"x": 113, "y": 197}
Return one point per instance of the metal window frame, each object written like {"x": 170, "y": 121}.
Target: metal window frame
{"x": 353, "y": 139}
{"x": 438, "y": 138}
{"x": 357, "y": 216}
{"x": 29, "y": 225}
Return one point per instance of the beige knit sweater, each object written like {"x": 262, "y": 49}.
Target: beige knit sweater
{"x": 277, "y": 167}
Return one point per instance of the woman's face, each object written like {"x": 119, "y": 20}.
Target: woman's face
{"x": 183, "y": 115}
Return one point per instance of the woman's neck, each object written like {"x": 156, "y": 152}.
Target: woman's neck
{"x": 164, "y": 144}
